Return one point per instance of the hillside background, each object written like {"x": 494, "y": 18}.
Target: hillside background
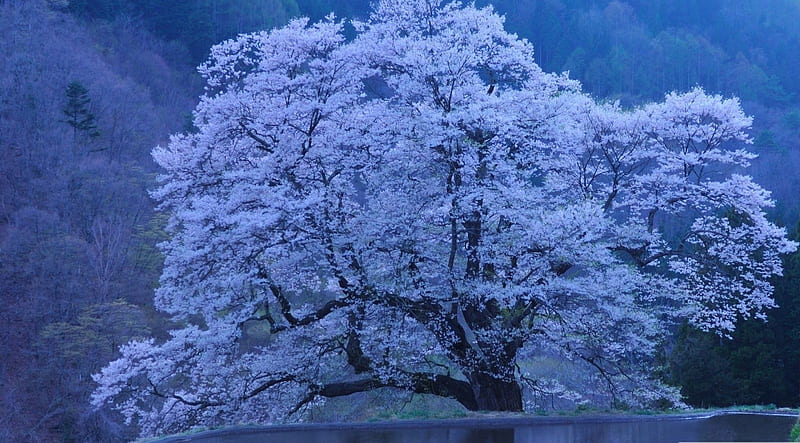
{"x": 89, "y": 87}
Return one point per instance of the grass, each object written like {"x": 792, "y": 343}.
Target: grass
{"x": 422, "y": 407}
{"x": 795, "y": 434}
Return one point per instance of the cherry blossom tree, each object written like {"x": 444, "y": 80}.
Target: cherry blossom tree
{"x": 422, "y": 208}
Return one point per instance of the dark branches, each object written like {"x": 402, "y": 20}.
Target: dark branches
{"x": 263, "y": 144}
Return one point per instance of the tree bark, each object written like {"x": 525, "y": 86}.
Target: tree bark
{"x": 494, "y": 394}
{"x": 481, "y": 393}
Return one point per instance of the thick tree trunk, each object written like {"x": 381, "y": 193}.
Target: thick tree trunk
{"x": 493, "y": 394}
{"x": 481, "y": 393}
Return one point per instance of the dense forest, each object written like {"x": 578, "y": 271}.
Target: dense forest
{"x": 89, "y": 87}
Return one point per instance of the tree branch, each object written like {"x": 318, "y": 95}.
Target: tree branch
{"x": 324, "y": 311}
{"x": 262, "y": 142}
{"x": 421, "y": 383}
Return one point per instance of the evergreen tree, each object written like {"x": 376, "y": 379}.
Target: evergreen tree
{"x": 77, "y": 111}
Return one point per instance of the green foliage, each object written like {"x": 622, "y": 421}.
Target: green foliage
{"x": 69, "y": 353}
{"x": 758, "y": 365}
{"x": 77, "y": 110}
{"x": 98, "y": 331}
{"x": 750, "y": 368}
{"x": 795, "y": 434}
{"x": 148, "y": 235}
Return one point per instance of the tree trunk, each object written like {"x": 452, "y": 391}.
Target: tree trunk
{"x": 493, "y": 394}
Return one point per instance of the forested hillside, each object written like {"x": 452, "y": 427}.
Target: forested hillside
{"x": 637, "y": 50}
{"x": 80, "y": 109}
{"x": 89, "y": 87}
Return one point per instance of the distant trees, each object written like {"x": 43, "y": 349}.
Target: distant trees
{"x": 101, "y": 9}
{"x": 422, "y": 208}
{"x": 76, "y": 127}
{"x": 676, "y": 47}
{"x": 198, "y": 24}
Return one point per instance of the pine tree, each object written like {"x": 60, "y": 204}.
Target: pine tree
{"x": 77, "y": 111}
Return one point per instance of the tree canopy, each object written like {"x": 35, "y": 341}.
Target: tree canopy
{"x": 421, "y": 208}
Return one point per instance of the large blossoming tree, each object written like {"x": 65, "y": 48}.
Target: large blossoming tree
{"x": 422, "y": 208}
